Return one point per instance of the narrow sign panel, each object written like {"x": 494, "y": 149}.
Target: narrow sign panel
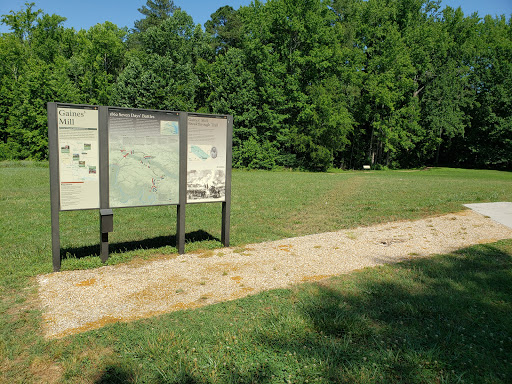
{"x": 206, "y": 165}
{"x": 78, "y": 158}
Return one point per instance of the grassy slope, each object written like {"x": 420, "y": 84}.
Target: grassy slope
{"x": 265, "y": 206}
{"x": 445, "y": 319}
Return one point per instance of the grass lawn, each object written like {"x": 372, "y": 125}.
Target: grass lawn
{"x": 442, "y": 319}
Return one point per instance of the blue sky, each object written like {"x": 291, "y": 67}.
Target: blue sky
{"x": 84, "y": 14}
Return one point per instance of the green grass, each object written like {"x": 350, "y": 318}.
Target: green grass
{"x": 265, "y": 206}
{"x": 442, "y": 319}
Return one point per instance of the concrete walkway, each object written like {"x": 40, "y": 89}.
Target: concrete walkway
{"x": 499, "y": 212}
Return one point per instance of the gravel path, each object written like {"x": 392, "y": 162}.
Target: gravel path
{"x": 77, "y": 301}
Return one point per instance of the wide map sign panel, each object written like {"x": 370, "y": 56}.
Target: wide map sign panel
{"x": 206, "y": 159}
{"x": 78, "y": 158}
{"x": 143, "y": 157}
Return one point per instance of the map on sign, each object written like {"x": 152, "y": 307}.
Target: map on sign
{"x": 143, "y": 158}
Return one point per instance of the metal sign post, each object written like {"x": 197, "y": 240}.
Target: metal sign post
{"x": 180, "y": 209}
{"x": 226, "y": 205}
{"x": 106, "y": 214}
{"x": 54, "y": 184}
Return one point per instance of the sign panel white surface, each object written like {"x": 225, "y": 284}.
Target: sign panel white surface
{"x": 78, "y": 158}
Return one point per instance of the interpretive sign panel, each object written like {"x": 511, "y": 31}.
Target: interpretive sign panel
{"x": 206, "y": 165}
{"x": 143, "y": 157}
{"x": 111, "y": 157}
{"x": 78, "y": 158}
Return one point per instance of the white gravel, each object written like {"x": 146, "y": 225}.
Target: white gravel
{"x": 77, "y": 301}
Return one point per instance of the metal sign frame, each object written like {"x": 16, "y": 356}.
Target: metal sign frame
{"x": 104, "y": 209}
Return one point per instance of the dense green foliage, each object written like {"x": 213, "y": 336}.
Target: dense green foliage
{"x": 311, "y": 84}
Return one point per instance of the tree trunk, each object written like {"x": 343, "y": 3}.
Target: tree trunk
{"x": 371, "y": 153}
{"x": 439, "y": 146}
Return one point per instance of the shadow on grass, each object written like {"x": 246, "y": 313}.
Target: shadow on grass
{"x": 115, "y": 374}
{"x": 153, "y": 243}
{"x": 119, "y": 375}
{"x": 442, "y": 319}
{"x": 445, "y": 319}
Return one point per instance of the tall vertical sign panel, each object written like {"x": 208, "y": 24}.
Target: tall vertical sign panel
{"x": 144, "y": 157}
{"x": 78, "y": 158}
{"x": 206, "y": 158}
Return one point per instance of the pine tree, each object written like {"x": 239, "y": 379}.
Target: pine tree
{"x": 155, "y": 12}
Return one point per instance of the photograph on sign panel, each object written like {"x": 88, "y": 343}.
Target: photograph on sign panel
{"x": 206, "y": 184}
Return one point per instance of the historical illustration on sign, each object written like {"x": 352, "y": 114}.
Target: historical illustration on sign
{"x": 143, "y": 158}
{"x": 78, "y": 158}
{"x": 206, "y": 166}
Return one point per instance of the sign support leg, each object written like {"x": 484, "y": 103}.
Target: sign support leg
{"x": 55, "y": 240}
{"x": 104, "y": 247}
{"x": 225, "y": 222}
{"x": 106, "y": 226}
{"x": 180, "y": 229}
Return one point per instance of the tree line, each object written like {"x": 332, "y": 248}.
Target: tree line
{"x": 312, "y": 84}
